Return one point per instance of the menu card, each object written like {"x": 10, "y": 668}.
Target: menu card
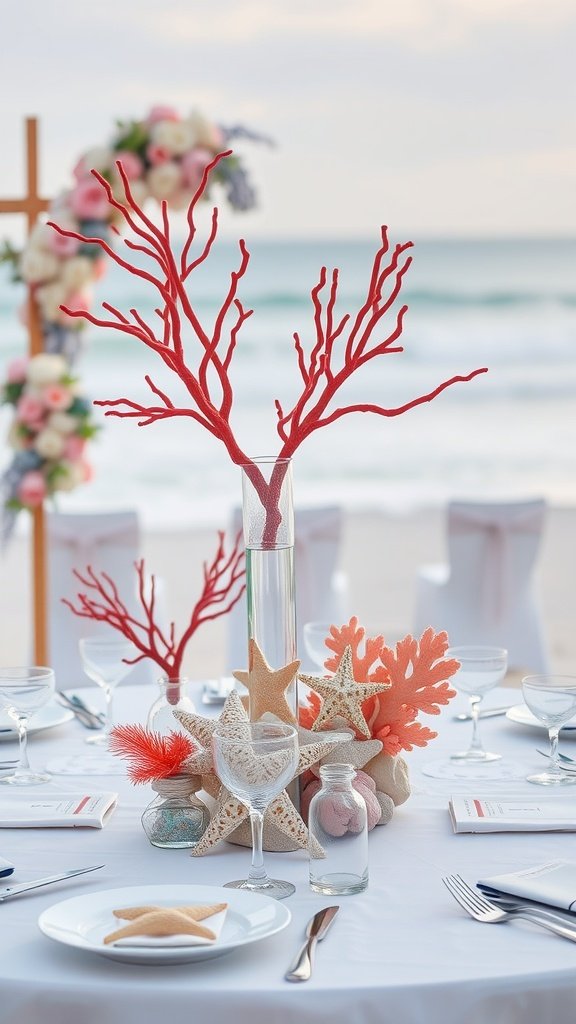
{"x": 512, "y": 813}
{"x": 68, "y": 810}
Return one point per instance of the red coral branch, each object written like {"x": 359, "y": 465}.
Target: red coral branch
{"x": 222, "y": 588}
{"x": 324, "y": 371}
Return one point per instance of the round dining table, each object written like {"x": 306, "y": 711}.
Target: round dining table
{"x": 402, "y": 951}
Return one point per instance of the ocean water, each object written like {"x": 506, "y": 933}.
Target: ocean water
{"x": 509, "y": 305}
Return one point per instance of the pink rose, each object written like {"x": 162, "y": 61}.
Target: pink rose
{"x": 78, "y": 301}
{"x": 157, "y": 154}
{"x": 160, "y": 113}
{"x": 193, "y": 166}
{"x": 57, "y": 397}
{"x": 17, "y": 370}
{"x": 30, "y": 410}
{"x": 74, "y": 448}
{"x": 88, "y": 200}
{"x": 60, "y": 245}
{"x": 32, "y": 489}
{"x": 131, "y": 163}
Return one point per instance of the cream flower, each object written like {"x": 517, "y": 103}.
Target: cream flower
{"x": 49, "y": 444}
{"x": 46, "y": 369}
{"x": 100, "y": 158}
{"x": 72, "y": 476}
{"x": 36, "y": 266}
{"x": 63, "y": 423}
{"x": 50, "y": 298}
{"x": 38, "y": 237}
{"x": 176, "y": 137}
{"x": 164, "y": 180}
{"x": 77, "y": 272}
{"x": 205, "y": 133}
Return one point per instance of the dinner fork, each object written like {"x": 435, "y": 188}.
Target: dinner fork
{"x": 482, "y": 910}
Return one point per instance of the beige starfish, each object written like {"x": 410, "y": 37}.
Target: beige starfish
{"x": 196, "y": 913}
{"x": 161, "y": 922}
{"x": 266, "y": 686}
{"x": 343, "y": 696}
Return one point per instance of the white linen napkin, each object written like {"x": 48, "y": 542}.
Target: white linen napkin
{"x": 215, "y": 923}
{"x": 553, "y": 883}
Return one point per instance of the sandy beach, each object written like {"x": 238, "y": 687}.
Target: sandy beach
{"x": 380, "y": 556}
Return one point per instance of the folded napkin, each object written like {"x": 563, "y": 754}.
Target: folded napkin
{"x": 168, "y": 926}
{"x": 553, "y": 883}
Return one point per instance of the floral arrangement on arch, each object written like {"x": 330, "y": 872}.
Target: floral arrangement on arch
{"x": 164, "y": 156}
{"x": 52, "y": 423}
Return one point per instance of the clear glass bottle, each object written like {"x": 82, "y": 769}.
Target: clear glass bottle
{"x": 337, "y": 818}
{"x": 176, "y": 818}
{"x": 173, "y": 696}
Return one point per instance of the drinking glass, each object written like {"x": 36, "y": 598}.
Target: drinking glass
{"x": 23, "y": 691}
{"x": 103, "y": 660}
{"x": 553, "y": 700}
{"x": 481, "y": 669}
{"x": 255, "y": 761}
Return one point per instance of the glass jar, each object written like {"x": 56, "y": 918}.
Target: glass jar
{"x": 337, "y": 818}
{"x": 173, "y": 696}
{"x": 176, "y": 818}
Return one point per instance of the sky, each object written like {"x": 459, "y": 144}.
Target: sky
{"x": 437, "y": 117}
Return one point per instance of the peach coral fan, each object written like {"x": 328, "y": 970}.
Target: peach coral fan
{"x": 417, "y": 670}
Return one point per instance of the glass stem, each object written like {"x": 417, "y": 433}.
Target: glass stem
{"x": 257, "y": 875}
{"x": 108, "y": 693}
{"x": 476, "y": 742}
{"x": 554, "y": 766}
{"x": 23, "y": 762}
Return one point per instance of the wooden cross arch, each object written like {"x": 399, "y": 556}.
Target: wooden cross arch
{"x": 32, "y": 205}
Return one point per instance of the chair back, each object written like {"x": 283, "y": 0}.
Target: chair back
{"x": 107, "y": 541}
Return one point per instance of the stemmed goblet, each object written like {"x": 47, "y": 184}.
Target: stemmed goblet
{"x": 23, "y": 691}
{"x": 103, "y": 660}
{"x": 255, "y": 761}
{"x": 481, "y": 669}
{"x": 552, "y": 699}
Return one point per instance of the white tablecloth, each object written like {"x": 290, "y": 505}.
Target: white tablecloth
{"x": 402, "y": 951}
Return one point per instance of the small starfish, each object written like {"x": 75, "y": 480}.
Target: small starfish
{"x": 161, "y": 922}
{"x": 266, "y": 686}
{"x": 196, "y": 913}
{"x": 343, "y": 696}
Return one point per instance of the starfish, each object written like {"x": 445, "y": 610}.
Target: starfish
{"x": 343, "y": 696}
{"x": 161, "y": 921}
{"x": 195, "y": 913}
{"x": 229, "y": 812}
{"x": 266, "y": 686}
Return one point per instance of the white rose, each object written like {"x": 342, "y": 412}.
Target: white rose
{"x": 100, "y": 158}
{"x": 72, "y": 476}
{"x": 164, "y": 180}
{"x": 176, "y": 137}
{"x": 38, "y": 237}
{"x": 46, "y": 369}
{"x": 50, "y": 298}
{"x": 205, "y": 133}
{"x": 138, "y": 190}
{"x": 49, "y": 444}
{"x": 36, "y": 266}
{"x": 76, "y": 272}
{"x": 63, "y": 423}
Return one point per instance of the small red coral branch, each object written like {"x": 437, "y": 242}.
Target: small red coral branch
{"x": 101, "y": 602}
{"x": 150, "y": 755}
{"x": 340, "y": 347}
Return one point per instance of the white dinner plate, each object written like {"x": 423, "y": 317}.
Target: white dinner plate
{"x": 47, "y": 717}
{"x": 83, "y": 921}
{"x": 521, "y": 715}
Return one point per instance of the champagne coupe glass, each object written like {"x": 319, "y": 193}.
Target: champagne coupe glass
{"x": 553, "y": 700}
{"x": 23, "y": 691}
{"x": 481, "y": 669}
{"x": 255, "y": 761}
{"x": 103, "y": 660}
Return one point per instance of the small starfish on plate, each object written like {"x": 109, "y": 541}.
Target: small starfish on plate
{"x": 195, "y": 913}
{"x": 267, "y": 686}
{"x": 161, "y": 922}
{"x": 343, "y": 696}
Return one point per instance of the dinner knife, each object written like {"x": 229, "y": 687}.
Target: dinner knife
{"x": 15, "y": 890}
{"x": 465, "y": 716}
{"x": 301, "y": 968}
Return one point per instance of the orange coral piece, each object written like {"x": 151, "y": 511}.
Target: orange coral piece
{"x": 417, "y": 670}
{"x": 150, "y": 755}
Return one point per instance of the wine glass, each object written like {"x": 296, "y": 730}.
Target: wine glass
{"x": 23, "y": 691}
{"x": 104, "y": 662}
{"x": 481, "y": 669}
{"x": 553, "y": 700}
{"x": 255, "y": 761}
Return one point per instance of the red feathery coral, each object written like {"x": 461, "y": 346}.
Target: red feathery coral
{"x": 151, "y": 755}
{"x": 417, "y": 670}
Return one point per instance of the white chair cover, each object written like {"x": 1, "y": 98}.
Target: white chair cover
{"x": 321, "y": 589}
{"x": 486, "y": 595}
{"x": 110, "y": 543}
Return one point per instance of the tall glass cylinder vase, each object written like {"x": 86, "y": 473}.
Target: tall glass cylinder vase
{"x": 268, "y": 522}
